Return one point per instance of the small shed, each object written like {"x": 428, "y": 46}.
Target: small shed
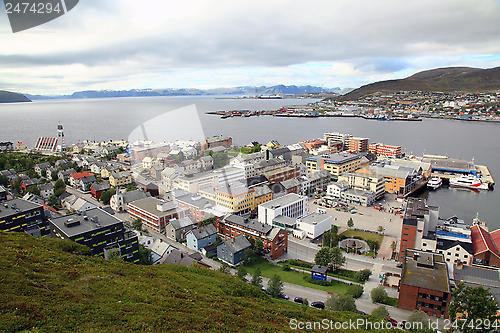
{"x": 318, "y": 272}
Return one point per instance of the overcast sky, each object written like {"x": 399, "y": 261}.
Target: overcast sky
{"x": 124, "y": 44}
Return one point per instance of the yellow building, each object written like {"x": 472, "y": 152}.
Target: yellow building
{"x": 120, "y": 178}
{"x": 262, "y": 195}
{"x": 107, "y": 170}
{"x": 336, "y": 164}
{"x": 238, "y": 199}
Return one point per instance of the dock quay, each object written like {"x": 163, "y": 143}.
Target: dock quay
{"x": 485, "y": 174}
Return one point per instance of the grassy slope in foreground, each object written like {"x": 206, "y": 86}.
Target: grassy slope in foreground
{"x": 10, "y": 97}
{"x": 46, "y": 289}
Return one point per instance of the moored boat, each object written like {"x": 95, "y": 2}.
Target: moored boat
{"x": 469, "y": 182}
{"x": 434, "y": 183}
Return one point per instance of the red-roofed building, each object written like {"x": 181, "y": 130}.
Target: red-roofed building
{"x": 75, "y": 176}
{"x": 485, "y": 250}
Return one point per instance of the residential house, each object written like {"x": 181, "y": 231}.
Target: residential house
{"x": 97, "y": 167}
{"x": 175, "y": 256}
{"x": 199, "y": 238}
{"x": 206, "y": 163}
{"x": 97, "y": 189}
{"x": 41, "y": 169}
{"x": 275, "y": 239}
{"x": 46, "y": 190}
{"x": 232, "y": 251}
{"x": 107, "y": 170}
{"x": 26, "y": 183}
{"x": 177, "y": 229}
{"x": 77, "y": 204}
{"x": 11, "y": 174}
{"x": 85, "y": 183}
{"x": 73, "y": 178}
{"x": 65, "y": 174}
{"x": 156, "y": 170}
{"x": 120, "y": 178}
{"x": 168, "y": 175}
{"x": 119, "y": 201}
{"x": 6, "y": 145}
{"x": 190, "y": 166}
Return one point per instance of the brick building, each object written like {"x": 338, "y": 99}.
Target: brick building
{"x": 274, "y": 239}
{"x": 424, "y": 283}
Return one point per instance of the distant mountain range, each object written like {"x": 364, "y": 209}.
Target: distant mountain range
{"x": 451, "y": 79}
{"x": 245, "y": 90}
{"x": 10, "y": 97}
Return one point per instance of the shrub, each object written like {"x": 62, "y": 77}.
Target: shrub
{"x": 286, "y": 267}
{"x": 354, "y": 290}
{"x": 379, "y": 295}
{"x": 362, "y": 275}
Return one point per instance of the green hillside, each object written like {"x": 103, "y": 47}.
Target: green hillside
{"x": 10, "y": 97}
{"x": 47, "y": 288}
{"x": 451, "y": 79}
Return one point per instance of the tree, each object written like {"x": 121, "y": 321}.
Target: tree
{"x": 248, "y": 256}
{"x": 474, "y": 303}
{"x": 106, "y": 195}
{"x": 258, "y": 246}
{"x": 4, "y": 181}
{"x": 242, "y": 273}
{"x": 363, "y": 275}
{"x": 275, "y": 286}
{"x": 113, "y": 254}
{"x": 208, "y": 219}
{"x": 379, "y": 295}
{"x": 338, "y": 259}
{"x": 305, "y": 305}
{"x": 393, "y": 246}
{"x": 340, "y": 303}
{"x": 53, "y": 201}
{"x": 418, "y": 316}
{"x": 224, "y": 268}
{"x": 59, "y": 184}
{"x": 323, "y": 257}
{"x": 380, "y": 312}
{"x": 350, "y": 223}
{"x": 380, "y": 228}
{"x": 137, "y": 224}
{"x": 145, "y": 255}
{"x": 33, "y": 189}
{"x": 53, "y": 175}
{"x": 256, "y": 278}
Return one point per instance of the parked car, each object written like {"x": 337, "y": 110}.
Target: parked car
{"x": 399, "y": 265}
{"x": 298, "y": 300}
{"x": 284, "y": 296}
{"x": 394, "y": 322}
{"x": 318, "y": 305}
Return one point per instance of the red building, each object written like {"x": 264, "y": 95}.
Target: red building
{"x": 195, "y": 203}
{"x": 155, "y": 213}
{"x": 275, "y": 239}
{"x": 313, "y": 144}
{"x": 424, "y": 283}
{"x": 282, "y": 174}
{"x": 217, "y": 141}
{"x": 97, "y": 189}
{"x": 358, "y": 144}
{"x": 484, "y": 247}
{"x": 385, "y": 150}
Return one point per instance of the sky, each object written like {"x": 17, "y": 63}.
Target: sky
{"x": 124, "y": 44}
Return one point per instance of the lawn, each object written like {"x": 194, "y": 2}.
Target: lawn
{"x": 269, "y": 270}
{"x": 363, "y": 234}
{"x": 391, "y": 301}
{"x": 346, "y": 274}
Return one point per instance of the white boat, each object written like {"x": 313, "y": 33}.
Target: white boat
{"x": 434, "y": 183}
{"x": 468, "y": 182}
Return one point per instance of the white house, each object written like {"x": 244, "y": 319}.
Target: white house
{"x": 314, "y": 224}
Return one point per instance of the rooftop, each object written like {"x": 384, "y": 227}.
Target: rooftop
{"x": 87, "y": 222}
{"x": 284, "y": 200}
{"x": 240, "y": 243}
{"x": 314, "y": 218}
{"x": 336, "y": 158}
{"x": 149, "y": 205}
{"x": 21, "y": 204}
{"x": 247, "y": 223}
{"x": 425, "y": 270}
{"x": 195, "y": 200}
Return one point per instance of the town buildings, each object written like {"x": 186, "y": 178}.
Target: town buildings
{"x": 424, "y": 283}
{"x": 232, "y": 251}
{"x": 155, "y": 213}
{"x": 24, "y": 216}
{"x": 101, "y": 232}
{"x": 239, "y": 199}
{"x": 291, "y": 205}
{"x": 336, "y": 164}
